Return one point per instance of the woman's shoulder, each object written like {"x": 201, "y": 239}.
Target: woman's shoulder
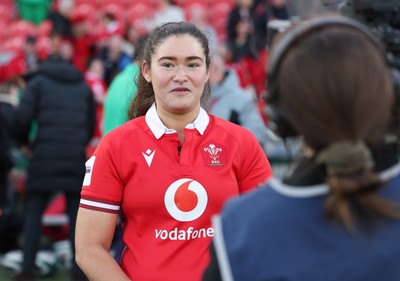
{"x": 222, "y": 123}
{"x": 230, "y": 127}
{"x": 125, "y": 129}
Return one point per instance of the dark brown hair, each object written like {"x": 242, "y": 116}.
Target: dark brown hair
{"x": 335, "y": 86}
{"x": 145, "y": 95}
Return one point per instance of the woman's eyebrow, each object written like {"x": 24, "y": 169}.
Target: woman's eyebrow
{"x": 167, "y": 58}
{"x": 175, "y": 59}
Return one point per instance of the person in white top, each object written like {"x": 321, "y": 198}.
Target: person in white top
{"x": 166, "y": 11}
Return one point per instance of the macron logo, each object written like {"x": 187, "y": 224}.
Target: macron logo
{"x": 148, "y": 156}
{"x": 89, "y": 169}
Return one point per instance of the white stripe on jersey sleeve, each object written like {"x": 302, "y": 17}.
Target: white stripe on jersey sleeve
{"x": 100, "y": 205}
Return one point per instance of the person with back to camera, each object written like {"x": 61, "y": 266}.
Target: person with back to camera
{"x": 62, "y": 104}
{"x": 336, "y": 216}
{"x": 168, "y": 170}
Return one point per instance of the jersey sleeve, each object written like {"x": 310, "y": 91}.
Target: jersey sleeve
{"x": 255, "y": 168}
{"x": 102, "y": 187}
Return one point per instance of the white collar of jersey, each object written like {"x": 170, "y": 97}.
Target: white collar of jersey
{"x": 158, "y": 128}
{"x": 321, "y": 189}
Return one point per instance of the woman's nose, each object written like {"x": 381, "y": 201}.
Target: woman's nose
{"x": 180, "y": 78}
{"x": 180, "y": 75}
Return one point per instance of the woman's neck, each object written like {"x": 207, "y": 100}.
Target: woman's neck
{"x": 178, "y": 122}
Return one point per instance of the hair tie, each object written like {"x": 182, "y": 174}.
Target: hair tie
{"x": 346, "y": 157}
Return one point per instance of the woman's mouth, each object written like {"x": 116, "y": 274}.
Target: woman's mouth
{"x": 180, "y": 90}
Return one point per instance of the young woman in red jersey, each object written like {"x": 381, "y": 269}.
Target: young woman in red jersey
{"x": 167, "y": 170}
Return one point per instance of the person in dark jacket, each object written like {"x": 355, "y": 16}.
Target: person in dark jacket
{"x": 8, "y": 101}
{"x": 257, "y": 13}
{"x": 61, "y": 18}
{"x": 62, "y": 104}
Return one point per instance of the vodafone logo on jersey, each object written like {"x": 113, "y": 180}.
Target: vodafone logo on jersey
{"x": 186, "y": 200}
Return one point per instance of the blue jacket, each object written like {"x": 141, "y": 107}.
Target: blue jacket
{"x": 279, "y": 232}
{"x": 230, "y": 102}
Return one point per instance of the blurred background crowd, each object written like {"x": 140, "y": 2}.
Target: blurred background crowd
{"x": 99, "y": 41}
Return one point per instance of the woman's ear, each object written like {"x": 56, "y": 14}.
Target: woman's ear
{"x": 208, "y": 75}
{"x": 146, "y": 71}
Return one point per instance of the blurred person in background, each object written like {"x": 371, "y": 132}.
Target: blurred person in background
{"x": 12, "y": 66}
{"x": 198, "y": 16}
{"x": 114, "y": 58}
{"x": 336, "y": 216}
{"x": 67, "y": 50}
{"x": 122, "y": 91}
{"x": 111, "y": 26}
{"x": 257, "y": 13}
{"x": 131, "y": 36}
{"x": 231, "y": 102}
{"x": 56, "y": 43}
{"x": 84, "y": 42}
{"x": 33, "y": 11}
{"x": 94, "y": 77}
{"x": 62, "y": 104}
{"x": 9, "y": 100}
{"x": 61, "y": 17}
{"x": 246, "y": 45}
{"x": 165, "y": 11}
{"x": 10, "y": 86}
{"x": 31, "y": 55}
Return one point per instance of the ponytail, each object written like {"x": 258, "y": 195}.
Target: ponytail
{"x": 353, "y": 185}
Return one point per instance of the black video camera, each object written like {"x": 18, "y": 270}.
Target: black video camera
{"x": 383, "y": 19}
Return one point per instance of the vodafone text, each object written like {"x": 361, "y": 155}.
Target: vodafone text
{"x": 179, "y": 234}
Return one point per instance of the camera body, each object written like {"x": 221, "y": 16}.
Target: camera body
{"x": 383, "y": 19}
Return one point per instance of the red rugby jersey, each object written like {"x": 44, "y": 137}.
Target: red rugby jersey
{"x": 167, "y": 196}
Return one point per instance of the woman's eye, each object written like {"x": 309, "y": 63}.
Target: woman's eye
{"x": 167, "y": 65}
{"x": 194, "y": 65}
